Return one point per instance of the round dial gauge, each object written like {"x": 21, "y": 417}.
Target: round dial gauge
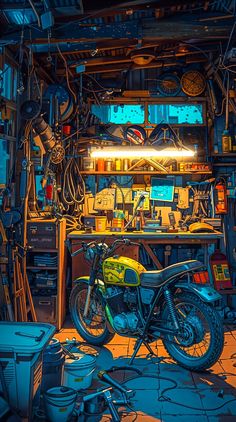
{"x": 193, "y": 83}
{"x": 135, "y": 134}
{"x": 169, "y": 84}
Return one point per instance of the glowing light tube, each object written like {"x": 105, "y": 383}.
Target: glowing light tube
{"x": 140, "y": 152}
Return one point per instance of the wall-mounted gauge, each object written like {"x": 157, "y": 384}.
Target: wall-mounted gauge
{"x": 193, "y": 83}
{"x": 168, "y": 84}
{"x": 135, "y": 134}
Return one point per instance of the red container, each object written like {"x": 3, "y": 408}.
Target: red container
{"x": 100, "y": 164}
{"x": 49, "y": 192}
{"x": 66, "y": 130}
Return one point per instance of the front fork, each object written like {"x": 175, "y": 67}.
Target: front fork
{"x": 87, "y": 303}
{"x": 93, "y": 276}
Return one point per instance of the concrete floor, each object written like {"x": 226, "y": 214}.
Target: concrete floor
{"x": 212, "y": 394}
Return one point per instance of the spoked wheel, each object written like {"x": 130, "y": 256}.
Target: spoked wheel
{"x": 200, "y": 340}
{"x": 94, "y": 328}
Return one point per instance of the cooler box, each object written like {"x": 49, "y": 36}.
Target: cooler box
{"x": 21, "y": 349}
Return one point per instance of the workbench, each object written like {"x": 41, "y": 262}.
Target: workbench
{"x": 81, "y": 267}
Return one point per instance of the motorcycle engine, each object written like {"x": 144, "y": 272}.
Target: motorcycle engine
{"x": 125, "y": 322}
{"x": 122, "y": 303}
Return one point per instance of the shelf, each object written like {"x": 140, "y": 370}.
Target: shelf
{"x": 228, "y": 154}
{"x": 127, "y": 173}
{"x": 224, "y": 164}
{"x": 45, "y": 250}
{"x": 40, "y": 267}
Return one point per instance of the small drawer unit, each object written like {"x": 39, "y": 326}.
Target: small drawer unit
{"x": 46, "y": 308}
{"x": 42, "y": 234}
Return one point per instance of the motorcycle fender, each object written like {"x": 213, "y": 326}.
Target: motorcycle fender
{"x": 85, "y": 279}
{"x": 206, "y": 293}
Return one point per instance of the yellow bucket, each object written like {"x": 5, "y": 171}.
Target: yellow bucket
{"x": 100, "y": 224}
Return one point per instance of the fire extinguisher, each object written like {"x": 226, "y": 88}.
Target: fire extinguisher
{"x": 220, "y": 270}
{"x": 220, "y": 190}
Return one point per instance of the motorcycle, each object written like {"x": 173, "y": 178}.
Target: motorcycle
{"x": 121, "y": 297}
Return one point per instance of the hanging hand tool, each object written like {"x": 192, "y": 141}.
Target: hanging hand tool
{"x": 4, "y": 279}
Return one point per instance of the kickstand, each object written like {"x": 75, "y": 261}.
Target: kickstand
{"x": 137, "y": 346}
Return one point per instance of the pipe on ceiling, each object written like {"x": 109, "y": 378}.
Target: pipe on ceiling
{"x": 35, "y": 12}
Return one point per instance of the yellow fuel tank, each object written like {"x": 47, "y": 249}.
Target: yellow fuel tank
{"x": 122, "y": 271}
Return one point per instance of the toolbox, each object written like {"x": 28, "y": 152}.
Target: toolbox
{"x": 42, "y": 234}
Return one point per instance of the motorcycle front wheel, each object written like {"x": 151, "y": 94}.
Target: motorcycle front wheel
{"x": 200, "y": 341}
{"x": 94, "y": 329}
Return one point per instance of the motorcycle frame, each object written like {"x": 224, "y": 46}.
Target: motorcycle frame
{"x": 205, "y": 292}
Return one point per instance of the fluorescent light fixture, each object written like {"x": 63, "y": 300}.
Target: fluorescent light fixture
{"x": 140, "y": 152}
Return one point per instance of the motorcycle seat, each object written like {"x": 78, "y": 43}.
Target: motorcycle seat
{"x": 157, "y": 277}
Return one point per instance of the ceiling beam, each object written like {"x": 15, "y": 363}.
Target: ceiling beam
{"x": 119, "y": 67}
{"x": 174, "y": 28}
{"x": 104, "y": 61}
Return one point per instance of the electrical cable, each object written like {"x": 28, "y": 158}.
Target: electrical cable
{"x": 165, "y": 398}
{"x": 72, "y": 222}
{"x": 67, "y": 74}
{"x": 229, "y": 40}
{"x": 73, "y": 187}
{"x": 79, "y": 130}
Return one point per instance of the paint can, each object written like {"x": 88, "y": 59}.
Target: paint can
{"x": 59, "y": 403}
{"x": 100, "y": 223}
{"x": 78, "y": 373}
{"x": 109, "y": 165}
{"x": 88, "y": 164}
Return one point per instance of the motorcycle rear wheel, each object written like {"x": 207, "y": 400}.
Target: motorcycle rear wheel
{"x": 94, "y": 329}
{"x": 205, "y": 327}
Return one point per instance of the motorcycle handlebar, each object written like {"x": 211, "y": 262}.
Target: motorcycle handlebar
{"x": 85, "y": 246}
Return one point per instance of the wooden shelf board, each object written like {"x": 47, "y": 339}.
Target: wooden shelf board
{"x": 42, "y": 250}
{"x": 127, "y": 173}
{"x": 40, "y": 267}
{"x": 224, "y": 164}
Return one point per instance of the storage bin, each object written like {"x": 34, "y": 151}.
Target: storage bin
{"x": 21, "y": 350}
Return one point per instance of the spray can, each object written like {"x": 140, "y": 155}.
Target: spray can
{"x": 226, "y": 142}
{"x": 125, "y": 164}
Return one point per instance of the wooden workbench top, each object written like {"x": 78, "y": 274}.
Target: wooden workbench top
{"x": 144, "y": 235}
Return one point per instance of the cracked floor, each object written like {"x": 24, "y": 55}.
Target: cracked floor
{"x": 197, "y": 397}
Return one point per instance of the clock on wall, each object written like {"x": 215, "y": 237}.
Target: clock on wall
{"x": 169, "y": 84}
{"x": 193, "y": 83}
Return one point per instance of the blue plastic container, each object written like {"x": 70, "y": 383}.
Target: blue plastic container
{"x": 21, "y": 350}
